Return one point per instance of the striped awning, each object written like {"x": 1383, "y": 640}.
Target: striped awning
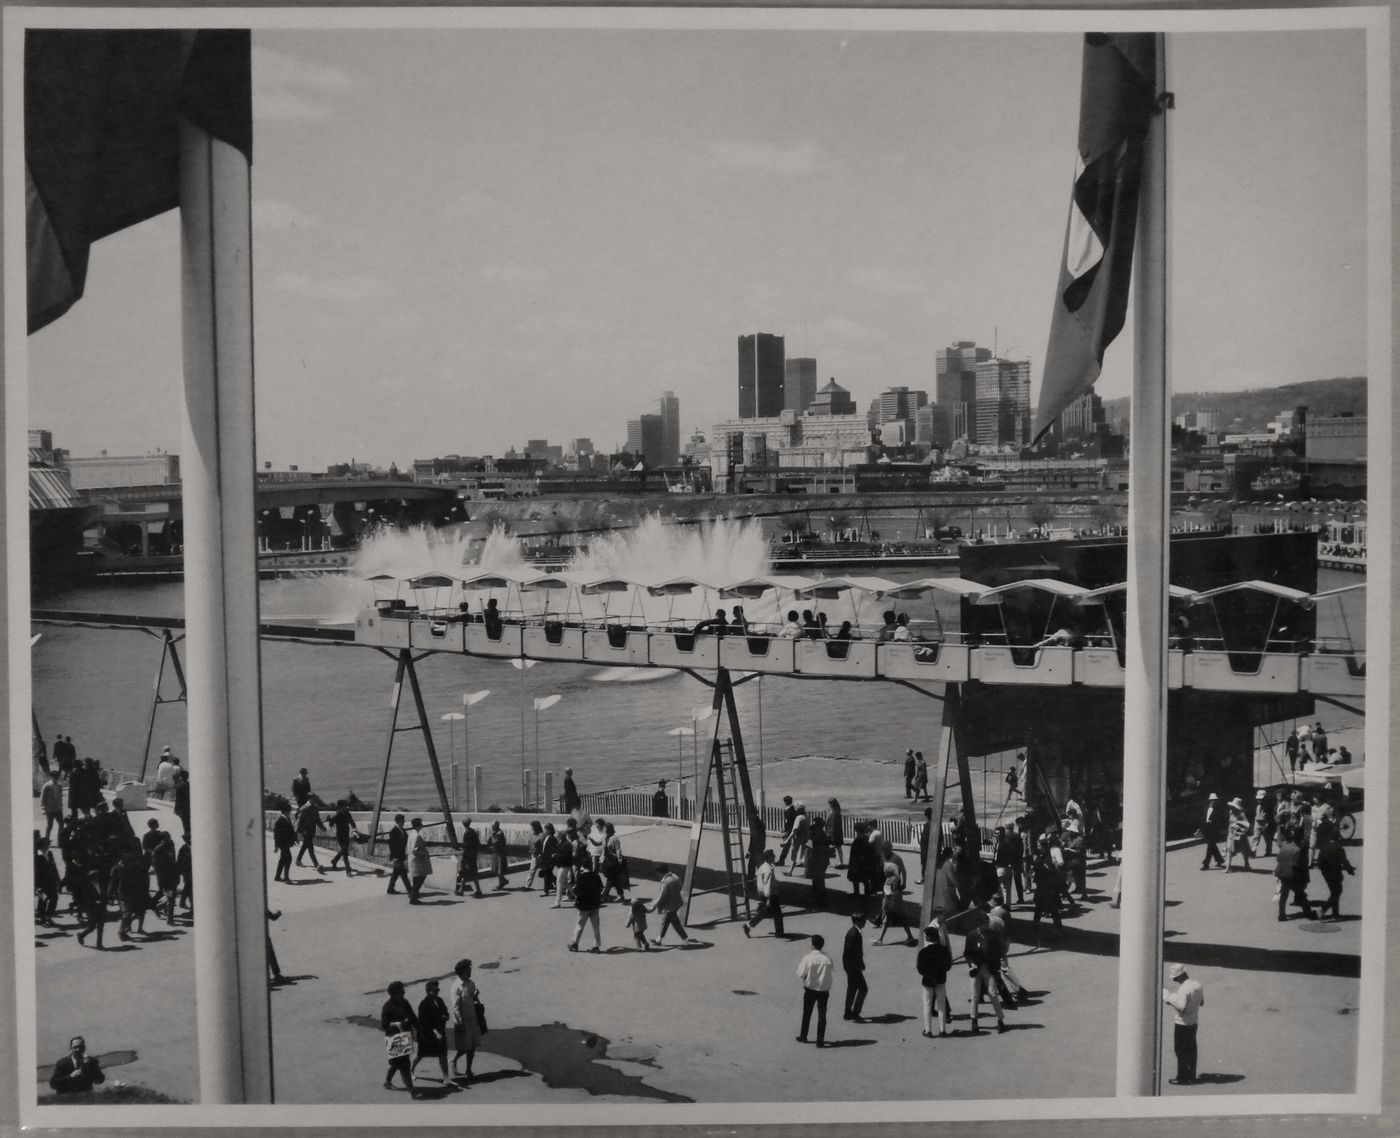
{"x": 51, "y": 489}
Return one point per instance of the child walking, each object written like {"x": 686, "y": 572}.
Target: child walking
{"x": 637, "y": 922}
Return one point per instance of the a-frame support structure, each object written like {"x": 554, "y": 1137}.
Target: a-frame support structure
{"x": 406, "y": 661}
{"x": 168, "y": 640}
{"x": 739, "y": 863}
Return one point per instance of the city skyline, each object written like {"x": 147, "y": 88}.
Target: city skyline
{"x": 619, "y": 205}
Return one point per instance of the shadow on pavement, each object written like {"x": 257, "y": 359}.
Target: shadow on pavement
{"x": 1219, "y": 1078}
{"x": 490, "y": 1077}
{"x": 887, "y": 1017}
{"x": 306, "y": 881}
{"x": 285, "y": 981}
{"x": 849, "y": 1042}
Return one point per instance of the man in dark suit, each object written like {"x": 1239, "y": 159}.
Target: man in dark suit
{"x": 1213, "y": 829}
{"x": 572, "y": 801}
{"x": 77, "y": 1071}
{"x": 301, "y": 787}
{"x": 853, "y": 961}
{"x": 398, "y": 855}
{"x": 284, "y": 837}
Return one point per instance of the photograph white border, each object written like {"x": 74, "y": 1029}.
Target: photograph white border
{"x": 1380, "y": 688}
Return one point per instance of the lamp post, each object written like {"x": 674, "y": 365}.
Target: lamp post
{"x": 680, "y": 733}
{"x": 452, "y": 717}
{"x": 522, "y": 665}
{"x": 469, "y": 700}
{"x": 542, "y": 703}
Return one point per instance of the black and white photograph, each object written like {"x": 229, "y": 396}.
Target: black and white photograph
{"x": 665, "y": 565}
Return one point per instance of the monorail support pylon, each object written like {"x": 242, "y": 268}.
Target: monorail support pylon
{"x": 406, "y": 661}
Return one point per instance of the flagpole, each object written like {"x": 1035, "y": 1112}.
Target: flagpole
{"x": 1145, "y": 688}
{"x": 221, "y": 615}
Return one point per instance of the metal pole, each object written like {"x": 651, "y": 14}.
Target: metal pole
{"x": 762, "y": 801}
{"x": 537, "y": 750}
{"x": 233, "y": 1020}
{"x": 394, "y": 700}
{"x": 476, "y": 789}
{"x": 1145, "y": 689}
{"x": 155, "y": 703}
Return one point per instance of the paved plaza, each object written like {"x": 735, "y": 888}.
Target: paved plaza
{"x": 714, "y": 1021}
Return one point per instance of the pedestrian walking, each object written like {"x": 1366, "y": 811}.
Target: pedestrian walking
{"x": 398, "y": 855}
{"x": 343, "y": 823}
{"x": 1332, "y": 863}
{"x": 496, "y": 843}
{"x": 789, "y": 816}
{"x": 853, "y": 962}
{"x": 1291, "y": 870}
{"x": 301, "y": 788}
{"x": 834, "y": 831}
{"x": 51, "y": 802}
{"x": 572, "y": 801}
{"x": 921, "y": 777}
{"x": 536, "y": 847}
{"x": 420, "y": 861}
{"x": 815, "y": 972}
{"x": 308, "y": 821}
{"x": 1047, "y": 889}
{"x": 668, "y": 903}
{"x": 167, "y": 871}
{"x": 909, "y": 773}
{"x": 549, "y": 846}
{"x": 615, "y": 877}
{"x": 1187, "y": 1002}
{"x": 801, "y": 835}
{"x": 818, "y": 859}
{"x": 933, "y": 963}
{"x": 131, "y": 887}
{"x": 184, "y": 862}
{"x": 468, "y": 863}
{"x": 892, "y": 898}
{"x": 1319, "y": 743}
{"x": 564, "y": 866}
{"x": 767, "y": 886}
{"x": 979, "y": 952}
{"x": 1238, "y": 835}
{"x": 399, "y": 1023}
{"x": 433, "y": 1019}
{"x": 181, "y": 794}
{"x": 1265, "y": 823}
{"x": 46, "y": 882}
{"x": 588, "y": 898}
{"x": 637, "y": 922}
{"x": 660, "y": 804}
{"x": 468, "y": 1018}
{"x": 1213, "y": 830}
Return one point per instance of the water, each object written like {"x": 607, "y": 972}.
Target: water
{"x": 327, "y": 707}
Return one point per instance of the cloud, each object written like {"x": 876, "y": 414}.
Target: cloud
{"x": 770, "y": 157}
{"x": 269, "y": 214}
{"x": 281, "y": 84}
{"x": 512, "y": 274}
{"x": 887, "y": 282}
{"x": 353, "y": 289}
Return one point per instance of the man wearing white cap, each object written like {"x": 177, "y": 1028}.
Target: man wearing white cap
{"x": 1213, "y": 829}
{"x": 1187, "y": 1000}
{"x": 165, "y": 773}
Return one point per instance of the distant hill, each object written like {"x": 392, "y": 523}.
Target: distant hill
{"x": 1256, "y": 407}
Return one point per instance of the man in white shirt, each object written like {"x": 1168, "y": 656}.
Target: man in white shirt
{"x": 1188, "y": 999}
{"x": 165, "y": 773}
{"x": 791, "y": 630}
{"x": 815, "y": 972}
{"x": 767, "y": 886}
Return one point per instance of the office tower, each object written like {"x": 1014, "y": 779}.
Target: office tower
{"x": 1002, "y": 414}
{"x": 761, "y": 360}
{"x": 644, "y": 439}
{"x": 799, "y": 383}
{"x": 899, "y": 403}
{"x": 1082, "y": 419}
{"x": 670, "y": 429}
{"x": 955, "y": 384}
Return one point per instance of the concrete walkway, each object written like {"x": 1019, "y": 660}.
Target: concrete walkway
{"x": 714, "y": 1021}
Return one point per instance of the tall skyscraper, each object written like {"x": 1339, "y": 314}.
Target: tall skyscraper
{"x": 1003, "y": 412}
{"x": 670, "y": 429}
{"x": 761, "y": 360}
{"x": 644, "y": 438}
{"x": 799, "y": 383}
{"x": 955, "y": 385}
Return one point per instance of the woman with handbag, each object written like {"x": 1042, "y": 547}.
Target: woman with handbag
{"x": 432, "y": 1029}
{"x": 614, "y": 864}
{"x": 398, "y": 1023}
{"x": 468, "y": 1017}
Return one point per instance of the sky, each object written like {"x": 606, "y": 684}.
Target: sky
{"x": 467, "y": 238}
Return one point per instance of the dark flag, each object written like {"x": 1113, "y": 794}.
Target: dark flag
{"x": 1117, "y": 99}
{"x": 102, "y": 141}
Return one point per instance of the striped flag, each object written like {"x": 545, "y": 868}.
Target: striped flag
{"x": 101, "y": 137}
{"x": 1116, "y": 102}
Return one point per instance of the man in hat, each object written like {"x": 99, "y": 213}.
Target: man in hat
{"x": 909, "y": 765}
{"x": 1187, "y": 1001}
{"x": 572, "y": 801}
{"x": 660, "y": 807}
{"x": 1239, "y": 835}
{"x": 1265, "y": 824}
{"x": 1213, "y": 829}
{"x": 165, "y": 774}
